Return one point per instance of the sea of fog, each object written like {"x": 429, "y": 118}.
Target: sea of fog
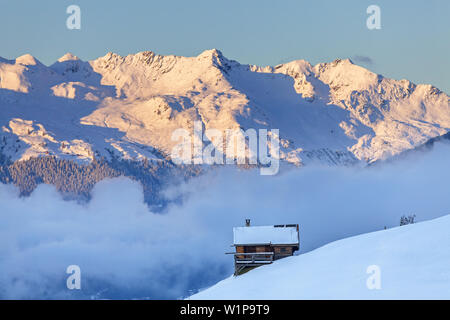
{"x": 124, "y": 251}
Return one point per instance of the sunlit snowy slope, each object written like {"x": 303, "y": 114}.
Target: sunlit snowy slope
{"x": 337, "y": 112}
{"x": 413, "y": 260}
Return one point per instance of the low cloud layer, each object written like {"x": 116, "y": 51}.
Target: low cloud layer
{"x": 125, "y": 251}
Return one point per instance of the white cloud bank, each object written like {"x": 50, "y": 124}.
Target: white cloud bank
{"x": 125, "y": 251}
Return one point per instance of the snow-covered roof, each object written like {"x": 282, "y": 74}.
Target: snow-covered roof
{"x": 265, "y": 235}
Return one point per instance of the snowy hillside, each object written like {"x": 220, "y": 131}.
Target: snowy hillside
{"x": 413, "y": 261}
{"x": 335, "y": 112}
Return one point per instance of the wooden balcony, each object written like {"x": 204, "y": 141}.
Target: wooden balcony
{"x": 250, "y": 260}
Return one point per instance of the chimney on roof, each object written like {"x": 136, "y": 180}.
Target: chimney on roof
{"x": 247, "y": 222}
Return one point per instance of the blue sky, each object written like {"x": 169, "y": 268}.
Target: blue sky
{"x": 413, "y": 43}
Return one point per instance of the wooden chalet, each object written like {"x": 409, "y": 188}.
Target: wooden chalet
{"x": 260, "y": 245}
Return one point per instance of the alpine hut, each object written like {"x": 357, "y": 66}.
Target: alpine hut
{"x": 259, "y": 245}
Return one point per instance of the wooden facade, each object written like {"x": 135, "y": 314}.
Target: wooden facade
{"x": 270, "y": 247}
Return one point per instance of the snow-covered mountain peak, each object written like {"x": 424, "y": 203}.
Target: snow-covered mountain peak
{"x": 215, "y": 58}
{"x": 296, "y": 66}
{"x": 27, "y": 60}
{"x": 345, "y": 73}
{"x": 68, "y": 57}
{"x": 73, "y": 69}
{"x": 211, "y": 53}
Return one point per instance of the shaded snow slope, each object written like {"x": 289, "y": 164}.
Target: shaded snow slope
{"x": 337, "y": 113}
{"x": 414, "y": 263}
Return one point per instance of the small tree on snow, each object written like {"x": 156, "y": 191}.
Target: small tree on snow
{"x": 404, "y": 220}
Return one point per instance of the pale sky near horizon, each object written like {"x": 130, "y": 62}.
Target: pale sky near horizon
{"x": 413, "y": 42}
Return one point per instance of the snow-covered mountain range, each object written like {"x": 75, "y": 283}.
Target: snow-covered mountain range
{"x": 335, "y": 112}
